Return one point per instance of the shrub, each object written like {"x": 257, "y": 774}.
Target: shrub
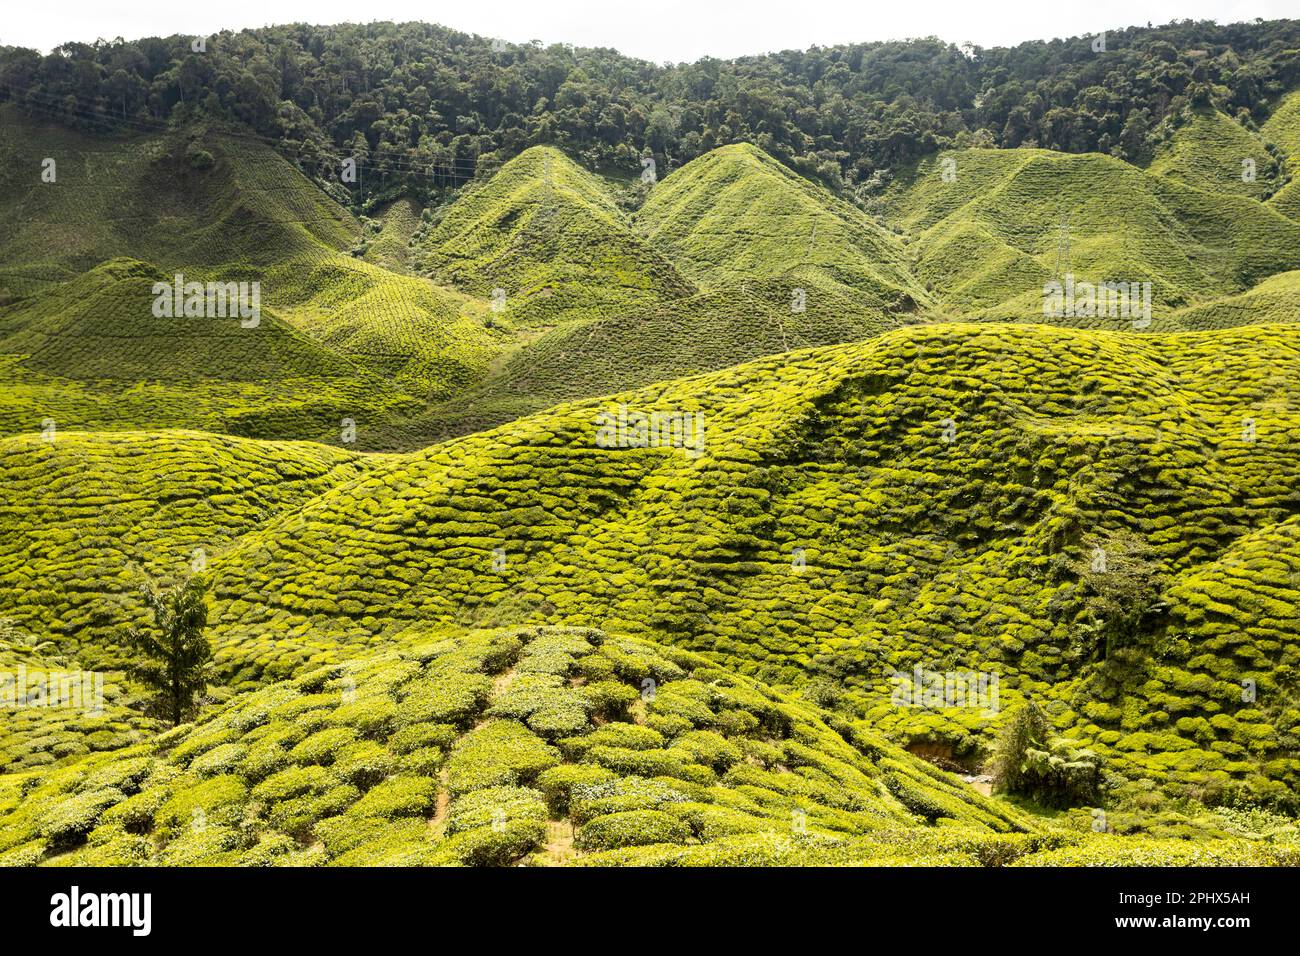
{"x": 650, "y": 763}
{"x": 709, "y": 822}
{"x": 494, "y": 805}
{"x": 445, "y": 699}
{"x": 425, "y": 762}
{"x": 609, "y": 699}
{"x": 215, "y": 800}
{"x": 629, "y": 736}
{"x": 558, "y": 783}
{"x": 221, "y": 759}
{"x": 670, "y": 725}
{"x": 322, "y": 746}
{"x": 597, "y": 668}
{"x": 208, "y": 846}
{"x": 25, "y": 854}
{"x": 500, "y": 753}
{"x": 202, "y": 740}
{"x": 199, "y": 158}
{"x": 622, "y": 794}
{"x": 708, "y": 748}
{"x": 632, "y": 828}
{"x": 269, "y": 851}
{"x": 70, "y": 820}
{"x": 398, "y": 797}
{"x": 546, "y": 707}
{"x": 490, "y": 846}
{"x": 343, "y": 833}
{"x": 371, "y": 717}
{"x": 136, "y": 813}
{"x": 364, "y": 764}
{"x": 124, "y": 774}
{"x": 294, "y": 782}
{"x": 1027, "y": 763}
{"x": 298, "y": 815}
{"x": 417, "y": 736}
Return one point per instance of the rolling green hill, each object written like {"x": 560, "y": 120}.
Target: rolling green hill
{"x": 724, "y": 220}
{"x": 91, "y": 353}
{"x": 708, "y": 331}
{"x": 1215, "y": 153}
{"x": 546, "y": 239}
{"x": 944, "y": 483}
{"x": 87, "y": 515}
{"x": 552, "y": 517}
{"x": 202, "y": 199}
{"x": 1276, "y": 299}
{"x": 590, "y": 305}
{"x": 390, "y": 246}
{"x": 43, "y": 735}
{"x": 1283, "y": 130}
{"x": 736, "y": 215}
{"x": 542, "y": 746}
{"x": 1004, "y": 222}
{"x": 210, "y": 205}
{"x": 709, "y": 272}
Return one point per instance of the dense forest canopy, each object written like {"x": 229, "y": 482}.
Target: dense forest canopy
{"x": 423, "y": 107}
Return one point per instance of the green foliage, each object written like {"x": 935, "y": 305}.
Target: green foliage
{"x": 894, "y": 492}
{"x": 197, "y": 797}
{"x": 499, "y": 753}
{"x": 1029, "y": 762}
{"x": 437, "y": 106}
{"x": 177, "y": 659}
{"x": 398, "y": 797}
{"x": 631, "y": 828}
{"x": 993, "y": 226}
{"x": 1117, "y": 594}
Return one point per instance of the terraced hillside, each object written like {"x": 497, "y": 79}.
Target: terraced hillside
{"x": 92, "y": 351}
{"x": 730, "y": 258}
{"x": 1276, "y": 299}
{"x": 202, "y": 198}
{"x": 557, "y": 294}
{"x": 547, "y": 240}
{"x": 67, "y": 713}
{"x": 922, "y": 499}
{"x": 737, "y": 215}
{"x": 993, "y": 226}
{"x": 212, "y": 206}
{"x": 1214, "y": 153}
{"x": 1282, "y": 129}
{"x": 88, "y": 516}
{"x": 543, "y": 290}
{"x": 543, "y": 746}
{"x": 390, "y": 246}
{"x": 708, "y": 331}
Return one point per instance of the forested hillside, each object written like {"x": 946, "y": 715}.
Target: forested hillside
{"x": 423, "y": 107}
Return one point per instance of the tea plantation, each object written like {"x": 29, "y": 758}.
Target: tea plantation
{"x": 569, "y": 519}
{"x": 540, "y": 746}
{"x": 992, "y": 226}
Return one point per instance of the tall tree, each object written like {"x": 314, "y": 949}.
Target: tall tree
{"x": 177, "y": 653}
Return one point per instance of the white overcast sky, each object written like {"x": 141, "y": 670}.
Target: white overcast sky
{"x": 676, "y": 30}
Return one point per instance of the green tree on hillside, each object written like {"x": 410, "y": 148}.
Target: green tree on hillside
{"x": 177, "y": 652}
{"x": 1117, "y": 596}
{"x": 1027, "y": 728}
{"x": 1027, "y": 761}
